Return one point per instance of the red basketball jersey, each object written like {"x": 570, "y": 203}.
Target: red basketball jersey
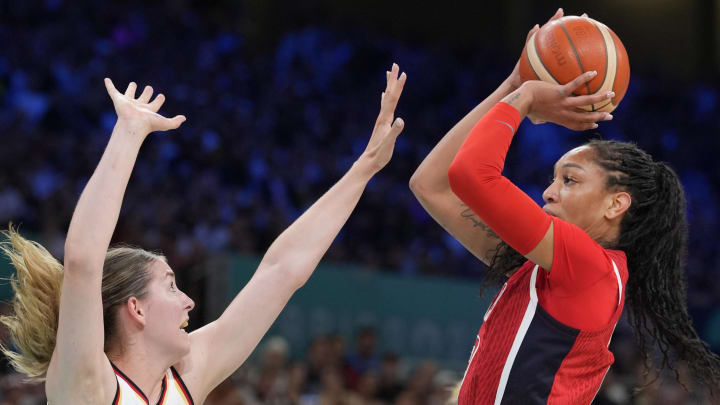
{"x": 524, "y": 352}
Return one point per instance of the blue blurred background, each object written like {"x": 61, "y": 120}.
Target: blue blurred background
{"x": 280, "y": 99}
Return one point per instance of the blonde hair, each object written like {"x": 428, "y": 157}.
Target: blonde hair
{"x": 36, "y": 302}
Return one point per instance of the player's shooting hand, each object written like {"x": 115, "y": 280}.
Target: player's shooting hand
{"x": 514, "y": 79}
{"x": 387, "y": 128}
{"x": 546, "y": 102}
{"x": 140, "y": 113}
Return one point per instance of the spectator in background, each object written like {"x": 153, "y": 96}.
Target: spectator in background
{"x": 389, "y": 384}
{"x": 364, "y": 359}
{"x": 270, "y": 382}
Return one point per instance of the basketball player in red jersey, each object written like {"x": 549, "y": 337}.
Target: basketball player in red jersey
{"x": 613, "y": 226}
{"x": 119, "y": 336}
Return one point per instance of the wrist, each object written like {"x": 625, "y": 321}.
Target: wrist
{"x": 521, "y": 99}
{"x": 131, "y": 129}
{"x": 365, "y": 167}
{"x": 510, "y": 84}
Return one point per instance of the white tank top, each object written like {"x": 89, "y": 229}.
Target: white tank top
{"x": 173, "y": 391}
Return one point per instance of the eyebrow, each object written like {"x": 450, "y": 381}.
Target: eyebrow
{"x": 575, "y": 165}
{"x": 169, "y": 273}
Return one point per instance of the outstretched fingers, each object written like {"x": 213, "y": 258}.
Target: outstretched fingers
{"x": 165, "y": 124}
{"x": 130, "y": 91}
{"x": 155, "y": 105}
{"x": 391, "y": 95}
{"x": 145, "y": 95}
{"x": 176, "y": 121}
{"x": 112, "y": 91}
{"x": 396, "y": 127}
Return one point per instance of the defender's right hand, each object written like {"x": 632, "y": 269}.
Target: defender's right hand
{"x": 140, "y": 113}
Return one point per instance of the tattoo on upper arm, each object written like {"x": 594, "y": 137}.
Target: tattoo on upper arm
{"x": 468, "y": 214}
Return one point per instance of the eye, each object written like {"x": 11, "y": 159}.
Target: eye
{"x": 568, "y": 180}
{"x": 172, "y": 286}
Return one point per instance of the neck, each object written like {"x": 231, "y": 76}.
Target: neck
{"x": 144, "y": 369}
{"x": 605, "y": 234}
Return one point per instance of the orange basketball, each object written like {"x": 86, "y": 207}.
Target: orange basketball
{"x": 564, "y": 48}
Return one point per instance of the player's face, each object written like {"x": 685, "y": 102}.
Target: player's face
{"x": 578, "y": 193}
{"x": 167, "y": 311}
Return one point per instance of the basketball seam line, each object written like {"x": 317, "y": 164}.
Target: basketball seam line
{"x": 541, "y": 61}
{"x": 577, "y": 57}
{"x": 604, "y": 105}
{"x": 607, "y": 55}
{"x": 527, "y": 55}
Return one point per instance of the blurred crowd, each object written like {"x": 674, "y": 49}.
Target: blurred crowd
{"x": 330, "y": 373}
{"x": 270, "y": 127}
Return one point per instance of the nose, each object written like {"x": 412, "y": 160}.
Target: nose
{"x": 189, "y": 303}
{"x": 550, "y": 195}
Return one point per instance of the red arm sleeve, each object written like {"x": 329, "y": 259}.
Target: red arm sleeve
{"x": 476, "y": 178}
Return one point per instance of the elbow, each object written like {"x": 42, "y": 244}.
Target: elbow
{"x": 423, "y": 191}
{"x": 426, "y": 187}
{"x": 286, "y": 276}
{"x": 73, "y": 257}
{"x": 417, "y": 187}
{"x": 77, "y": 259}
{"x": 74, "y": 263}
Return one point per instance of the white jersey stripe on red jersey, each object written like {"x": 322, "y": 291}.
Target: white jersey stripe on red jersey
{"x": 519, "y": 337}
{"x": 617, "y": 273}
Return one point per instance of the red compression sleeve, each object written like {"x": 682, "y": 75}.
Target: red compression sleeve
{"x": 476, "y": 178}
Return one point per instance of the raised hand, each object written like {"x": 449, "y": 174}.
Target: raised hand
{"x": 382, "y": 141}
{"x": 141, "y": 113}
{"x": 546, "y": 102}
{"x": 514, "y": 79}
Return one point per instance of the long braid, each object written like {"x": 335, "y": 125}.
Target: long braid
{"x": 653, "y": 235}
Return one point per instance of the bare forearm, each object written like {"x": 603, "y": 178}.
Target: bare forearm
{"x": 431, "y": 175}
{"x": 300, "y": 247}
{"x": 98, "y": 208}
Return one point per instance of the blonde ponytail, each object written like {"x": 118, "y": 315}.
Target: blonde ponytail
{"x": 33, "y": 324}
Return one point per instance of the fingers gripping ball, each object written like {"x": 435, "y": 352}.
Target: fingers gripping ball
{"x": 565, "y": 48}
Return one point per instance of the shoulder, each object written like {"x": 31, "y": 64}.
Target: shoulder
{"x": 619, "y": 259}
{"x": 96, "y": 385}
{"x": 573, "y": 242}
{"x": 578, "y": 260}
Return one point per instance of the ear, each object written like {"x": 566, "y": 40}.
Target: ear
{"x": 135, "y": 310}
{"x": 619, "y": 204}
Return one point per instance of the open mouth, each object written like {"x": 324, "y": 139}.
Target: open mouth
{"x": 184, "y": 325}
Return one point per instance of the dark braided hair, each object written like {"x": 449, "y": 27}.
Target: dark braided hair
{"x": 653, "y": 235}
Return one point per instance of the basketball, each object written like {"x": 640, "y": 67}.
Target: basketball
{"x": 565, "y": 48}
